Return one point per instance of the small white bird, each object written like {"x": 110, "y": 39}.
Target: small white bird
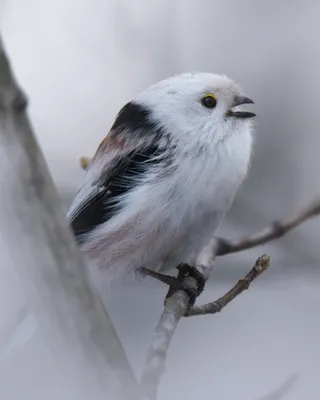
{"x": 163, "y": 178}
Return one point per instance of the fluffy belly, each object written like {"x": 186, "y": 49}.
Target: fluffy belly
{"x": 190, "y": 243}
{"x": 161, "y": 249}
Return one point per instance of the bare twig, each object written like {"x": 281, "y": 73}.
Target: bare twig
{"x": 39, "y": 245}
{"x": 260, "y": 266}
{"x": 175, "y": 308}
{"x": 274, "y": 231}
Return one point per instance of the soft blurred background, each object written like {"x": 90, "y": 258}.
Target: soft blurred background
{"x": 79, "y": 61}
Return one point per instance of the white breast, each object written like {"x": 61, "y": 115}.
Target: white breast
{"x": 207, "y": 191}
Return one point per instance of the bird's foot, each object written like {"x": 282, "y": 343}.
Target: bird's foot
{"x": 186, "y": 270}
{"x": 177, "y": 283}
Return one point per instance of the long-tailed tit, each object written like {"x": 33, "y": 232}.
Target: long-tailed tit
{"x": 164, "y": 176}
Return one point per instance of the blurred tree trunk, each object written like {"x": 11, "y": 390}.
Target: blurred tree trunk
{"x": 36, "y": 241}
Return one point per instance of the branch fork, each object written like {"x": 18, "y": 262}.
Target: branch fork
{"x": 177, "y": 305}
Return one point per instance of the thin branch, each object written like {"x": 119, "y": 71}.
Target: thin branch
{"x": 274, "y": 231}
{"x": 39, "y": 245}
{"x": 260, "y": 266}
{"x": 175, "y": 308}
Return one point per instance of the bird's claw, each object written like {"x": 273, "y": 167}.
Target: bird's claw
{"x": 177, "y": 283}
{"x": 186, "y": 270}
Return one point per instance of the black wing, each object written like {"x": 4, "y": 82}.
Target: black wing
{"x": 104, "y": 200}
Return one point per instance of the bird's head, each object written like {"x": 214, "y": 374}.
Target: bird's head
{"x": 197, "y": 105}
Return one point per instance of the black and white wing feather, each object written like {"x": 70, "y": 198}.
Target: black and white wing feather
{"x": 130, "y": 152}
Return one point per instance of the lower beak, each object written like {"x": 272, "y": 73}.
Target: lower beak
{"x": 239, "y": 101}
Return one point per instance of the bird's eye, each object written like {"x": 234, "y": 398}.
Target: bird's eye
{"x": 209, "y": 101}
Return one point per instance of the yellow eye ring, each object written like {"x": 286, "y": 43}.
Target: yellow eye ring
{"x": 209, "y": 101}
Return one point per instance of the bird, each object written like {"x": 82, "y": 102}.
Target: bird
{"x": 164, "y": 176}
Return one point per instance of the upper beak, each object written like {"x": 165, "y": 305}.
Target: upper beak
{"x": 238, "y": 101}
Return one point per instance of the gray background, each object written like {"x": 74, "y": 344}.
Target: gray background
{"x": 80, "y": 61}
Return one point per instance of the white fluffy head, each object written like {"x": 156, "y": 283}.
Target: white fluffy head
{"x": 177, "y": 102}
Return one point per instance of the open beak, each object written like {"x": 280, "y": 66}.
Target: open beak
{"x": 239, "y": 101}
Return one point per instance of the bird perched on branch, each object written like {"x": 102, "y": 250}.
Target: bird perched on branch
{"x": 164, "y": 176}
